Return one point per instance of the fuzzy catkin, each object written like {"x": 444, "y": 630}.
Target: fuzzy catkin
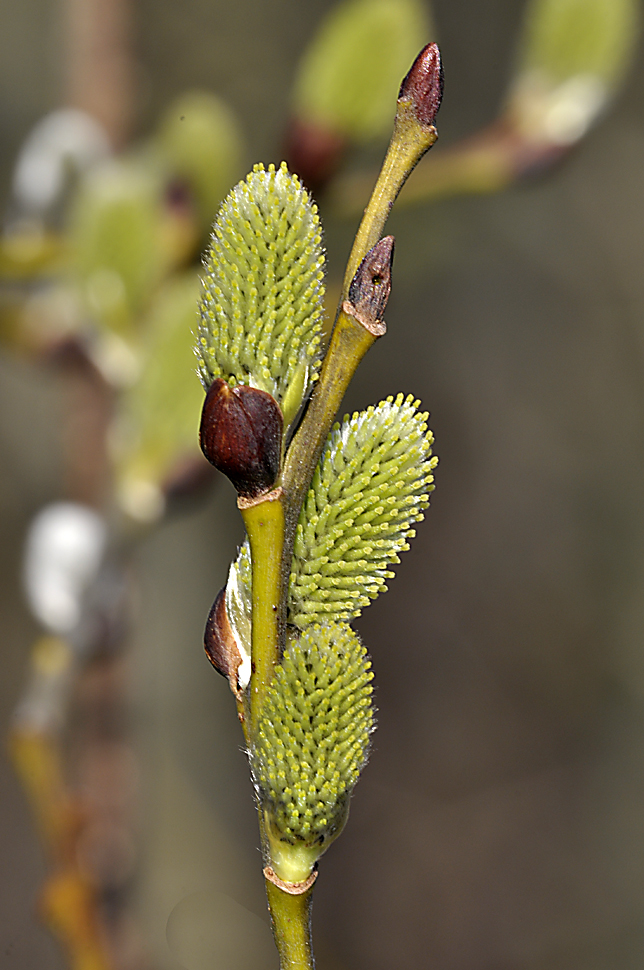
{"x": 314, "y": 733}
{"x": 371, "y": 485}
{"x": 261, "y": 309}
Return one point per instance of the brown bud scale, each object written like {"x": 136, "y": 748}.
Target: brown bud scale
{"x": 241, "y": 435}
{"x": 219, "y": 642}
{"x": 423, "y": 85}
{"x": 371, "y": 286}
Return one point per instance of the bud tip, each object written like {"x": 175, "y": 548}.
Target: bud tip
{"x": 423, "y": 84}
{"x": 241, "y": 435}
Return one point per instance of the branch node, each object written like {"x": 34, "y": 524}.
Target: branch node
{"x": 292, "y": 888}
{"x": 249, "y": 502}
{"x": 370, "y": 288}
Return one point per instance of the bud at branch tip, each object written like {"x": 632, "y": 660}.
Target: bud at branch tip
{"x": 423, "y": 85}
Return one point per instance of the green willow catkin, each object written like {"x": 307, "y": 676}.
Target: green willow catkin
{"x": 261, "y": 308}
{"x": 313, "y": 735}
{"x": 371, "y": 485}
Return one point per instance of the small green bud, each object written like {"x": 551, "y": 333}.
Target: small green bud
{"x": 312, "y": 743}
{"x": 241, "y": 435}
{"x": 348, "y": 78}
{"x": 262, "y": 302}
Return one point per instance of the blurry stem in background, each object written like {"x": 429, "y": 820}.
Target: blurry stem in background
{"x": 98, "y": 79}
{"x": 487, "y": 162}
{"x": 99, "y": 71}
{"x": 69, "y": 899}
{"x": 73, "y": 894}
{"x": 572, "y": 57}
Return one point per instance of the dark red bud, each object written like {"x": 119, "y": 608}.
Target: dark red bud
{"x": 219, "y": 642}
{"x": 423, "y": 85}
{"x": 241, "y": 435}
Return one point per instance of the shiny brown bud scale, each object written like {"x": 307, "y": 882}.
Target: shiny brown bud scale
{"x": 220, "y": 644}
{"x": 371, "y": 286}
{"x": 241, "y": 435}
{"x": 423, "y": 85}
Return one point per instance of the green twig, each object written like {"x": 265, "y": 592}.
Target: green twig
{"x": 264, "y": 521}
{"x": 352, "y": 336}
{"x": 291, "y": 919}
{"x": 409, "y": 142}
{"x": 354, "y": 332}
{"x": 483, "y": 164}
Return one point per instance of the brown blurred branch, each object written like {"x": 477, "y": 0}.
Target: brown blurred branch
{"x": 99, "y": 69}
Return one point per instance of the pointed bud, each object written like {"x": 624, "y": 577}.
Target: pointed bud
{"x": 241, "y": 435}
{"x": 221, "y": 645}
{"x": 423, "y": 85}
{"x": 371, "y": 286}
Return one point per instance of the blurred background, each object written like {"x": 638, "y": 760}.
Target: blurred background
{"x": 500, "y": 822}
